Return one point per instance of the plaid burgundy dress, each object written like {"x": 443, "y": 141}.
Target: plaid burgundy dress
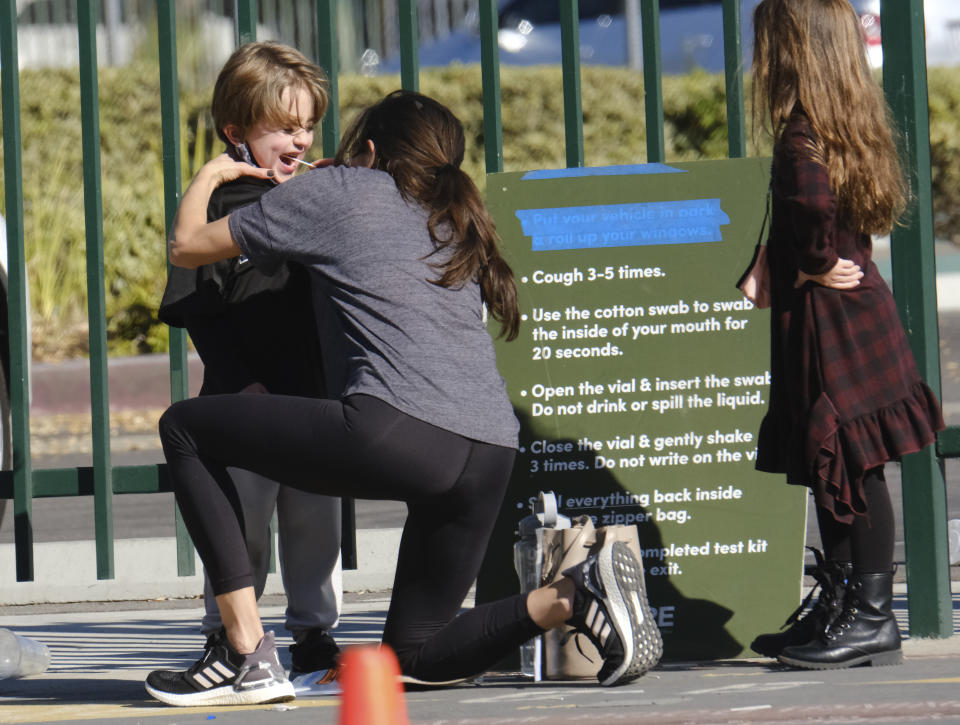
{"x": 845, "y": 394}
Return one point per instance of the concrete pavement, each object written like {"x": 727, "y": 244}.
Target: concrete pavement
{"x": 102, "y": 653}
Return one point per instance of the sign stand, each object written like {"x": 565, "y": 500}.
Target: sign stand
{"x": 640, "y": 378}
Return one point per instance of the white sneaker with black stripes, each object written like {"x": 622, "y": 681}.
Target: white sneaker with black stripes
{"x": 225, "y": 677}
{"x": 610, "y": 608}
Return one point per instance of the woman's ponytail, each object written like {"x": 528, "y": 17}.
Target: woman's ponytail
{"x": 458, "y": 213}
{"x": 420, "y": 143}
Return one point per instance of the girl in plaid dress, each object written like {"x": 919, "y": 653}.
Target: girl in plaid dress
{"x": 845, "y": 396}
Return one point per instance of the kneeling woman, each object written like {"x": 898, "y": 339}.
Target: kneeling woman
{"x": 403, "y": 256}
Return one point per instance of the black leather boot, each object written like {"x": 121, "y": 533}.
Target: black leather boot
{"x": 865, "y": 633}
{"x": 831, "y": 577}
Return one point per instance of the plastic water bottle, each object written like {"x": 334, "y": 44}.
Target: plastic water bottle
{"x": 527, "y": 561}
{"x": 21, "y": 656}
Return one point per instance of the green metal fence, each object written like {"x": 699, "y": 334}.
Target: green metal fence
{"x": 913, "y": 261}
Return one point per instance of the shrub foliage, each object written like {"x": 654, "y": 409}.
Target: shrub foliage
{"x": 131, "y": 173}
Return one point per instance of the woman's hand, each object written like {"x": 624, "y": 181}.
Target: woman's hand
{"x": 845, "y": 274}
{"x": 221, "y": 169}
{"x": 195, "y": 242}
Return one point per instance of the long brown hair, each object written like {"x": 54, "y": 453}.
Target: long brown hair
{"x": 420, "y": 143}
{"x": 811, "y": 53}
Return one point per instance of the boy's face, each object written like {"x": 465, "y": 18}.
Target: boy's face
{"x": 276, "y": 148}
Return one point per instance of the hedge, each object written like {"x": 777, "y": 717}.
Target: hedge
{"x": 131, "y": 171}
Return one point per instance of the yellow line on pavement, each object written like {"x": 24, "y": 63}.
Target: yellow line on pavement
{"x": 930, "y": 681}
{"x": 37, "y": 713}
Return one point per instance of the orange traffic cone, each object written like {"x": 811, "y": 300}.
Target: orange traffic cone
{"x": 372, "y": 693}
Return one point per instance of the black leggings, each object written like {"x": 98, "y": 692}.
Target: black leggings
{"x": 359, "y": 447}
{"x": 867, "y": 542}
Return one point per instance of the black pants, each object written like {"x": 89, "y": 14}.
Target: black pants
{"x": 359, "y": 447}
{"x": 868, "y": 541}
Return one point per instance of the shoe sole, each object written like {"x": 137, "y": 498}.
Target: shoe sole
{"x": 321, "y": 683}
{"x": 880, "y": 659}
{"x": 227, "y": 695}
{"x": 318, "y": 684}
{"x": 426, "y": 684}
{"x": 626, "y": 595}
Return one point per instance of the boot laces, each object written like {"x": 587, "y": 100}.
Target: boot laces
{"x": 829, "y": 580}
{"x": 843, "y": 622}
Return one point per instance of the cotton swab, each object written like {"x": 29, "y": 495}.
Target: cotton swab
{"x": 299, "y": 161}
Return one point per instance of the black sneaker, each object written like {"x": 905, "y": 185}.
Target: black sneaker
{"x": 610, "y": 608}
{"x": 314, "y": 650}
{"x": 313, "y": 669}
{"x": 225, "y": 677}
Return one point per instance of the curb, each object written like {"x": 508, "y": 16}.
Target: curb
{"x": 146, "y": 569}
{"x": 139, "y": 382}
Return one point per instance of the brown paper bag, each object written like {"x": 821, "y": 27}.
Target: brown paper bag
{"x": 562, "y": 548}
{"x": 755, "y": 280}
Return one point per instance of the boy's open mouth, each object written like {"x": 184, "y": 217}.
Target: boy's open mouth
{"x": 292, "y": 161}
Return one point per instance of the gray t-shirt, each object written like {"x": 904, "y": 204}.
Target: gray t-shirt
{"x": 419, "y": 347}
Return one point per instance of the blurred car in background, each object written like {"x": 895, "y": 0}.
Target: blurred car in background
{"x": 941, "y": 25}
{"x": 869, "y": 13}
{"x": 691, "y": 35}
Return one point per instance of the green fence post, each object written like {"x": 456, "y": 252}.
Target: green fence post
{"x": 170, "y": 131}
{"x": 733, "y": 69}
{"x": 652, "y": 81}
{"x": 87, "y": 12}
{"x": 914, "y": 284}
{"x": 948, "y": 442}
{"x": 490, "y": 80}
{"x": 328, "y": 55}
{"x": 16, "y": 294}
{"x": 170, "y": 138}
{"x": 572, "y": 101}
{"x": 409, "y": 46}
{"x": 246, "y": 21}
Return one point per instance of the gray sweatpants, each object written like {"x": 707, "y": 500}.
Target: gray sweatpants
{"x": 308, "y": 526}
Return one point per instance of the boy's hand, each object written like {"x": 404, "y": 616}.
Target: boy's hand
{"x": 322, "y": 163}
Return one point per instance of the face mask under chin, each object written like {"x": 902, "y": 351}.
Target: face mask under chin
{"x": 241, "y": 152}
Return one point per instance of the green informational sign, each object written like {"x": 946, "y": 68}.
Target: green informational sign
{"x": 640, "y": 378}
